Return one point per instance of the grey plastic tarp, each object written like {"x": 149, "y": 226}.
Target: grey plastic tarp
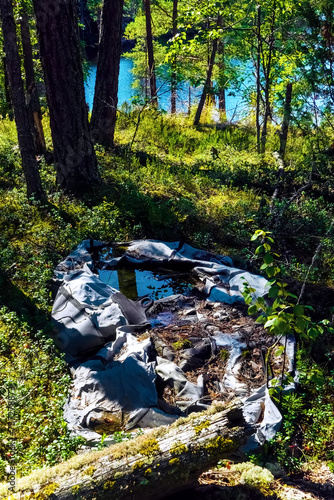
{"x": 114, "y": 373}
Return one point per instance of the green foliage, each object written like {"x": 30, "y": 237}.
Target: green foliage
{"x": 308, "y": 425}
{"x": 283, "y": 315}
{"x": 34, "y": 390}
{"x": 171, "y": 186}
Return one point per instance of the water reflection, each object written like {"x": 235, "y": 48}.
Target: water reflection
{"x": 135, "y": 283}
{"x": 234, "y": 99}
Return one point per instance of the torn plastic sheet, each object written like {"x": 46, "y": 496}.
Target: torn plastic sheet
{"x": 87, "y": 312}
{"x": 115, "y": 375}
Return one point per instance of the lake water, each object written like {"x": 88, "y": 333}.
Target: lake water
{"x": 235, "y": 104}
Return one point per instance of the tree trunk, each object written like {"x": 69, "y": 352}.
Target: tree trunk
{"x": 221, "y": 91}
{"x": 60, "y": 53}
{"x": 33, "y": 101}
{"x": 286, "y": 119}
{"x": 151, "y": 65}
{"x": 174, "y": 75}
{"x": 25, "y": 138}
{"x": 159, "y": 463}
{"x": 267, "y": 74}
{"x": 207, "y": 82}
{"x": 106, "y": 87}
{"x": 7, "y": 89}
{"x": 258, "y": 81}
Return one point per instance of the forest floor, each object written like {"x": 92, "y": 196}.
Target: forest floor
{"x": 169, "y": 180}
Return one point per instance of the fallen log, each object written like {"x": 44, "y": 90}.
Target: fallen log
{"x": 158, "y": 463}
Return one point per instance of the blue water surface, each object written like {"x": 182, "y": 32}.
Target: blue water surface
{"x": 235, "y": 104}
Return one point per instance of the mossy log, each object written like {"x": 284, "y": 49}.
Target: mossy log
{"x": 160, "y": 462}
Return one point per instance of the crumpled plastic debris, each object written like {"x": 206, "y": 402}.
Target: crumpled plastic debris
{"x": 117, "y": 374}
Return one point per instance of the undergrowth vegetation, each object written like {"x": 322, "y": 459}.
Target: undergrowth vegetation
{"x": 165, "y": 180}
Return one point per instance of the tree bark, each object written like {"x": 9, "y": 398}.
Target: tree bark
{"x": 106, "y": 87}
{"x": 25, "y": 138}
{"x": 207, "y": 83}
{"x": 33, "y": 101}
{"x": 286, "y": 120}
{"x": 150, "y": 53}
{"x": 221, "y": 91}
{"x": 7, "y": 89}
{"x": 60, "y": 53}
{"x": 161, "y": 462}
{"x": 174, "y": 74}
{"x": 258, "y": 77}
{"x": 267, "y": 74}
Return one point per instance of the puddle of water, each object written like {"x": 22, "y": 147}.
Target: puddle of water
{"x": 135, "y": 283}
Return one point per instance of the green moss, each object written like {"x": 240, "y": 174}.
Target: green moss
{"x": 224, "y": 354}
{"x": 254, "y": 476}
{"x": 178, "y": 448}
{"x": 174, "y": 461}
{"x": 108, "y": 485}
{"x": 138, "y": 465}
{"x": 219, "y": 444}
{"x": 44, "y": 493}
{"x": 50, "y": 489}
{"x": 149, "y": 447}
{"x": 89, "y": 471}
{"x": 181, "y": 344}
{"x": 204, "y": 425}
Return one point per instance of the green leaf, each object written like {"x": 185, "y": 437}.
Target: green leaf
{"x": 298, "y": 310}
{"x": 252, "y": 310}
{"x": 277, "y": 303}
{"x": 272, "y": 271}
{"x": 301, "y": 324}
{"x": 268, "y": 258}
{"x": 279, "y": 351}
{"x": 313, "y": 333}
{"x": 259, "y": 250}
{"x": 273, "y": 322}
